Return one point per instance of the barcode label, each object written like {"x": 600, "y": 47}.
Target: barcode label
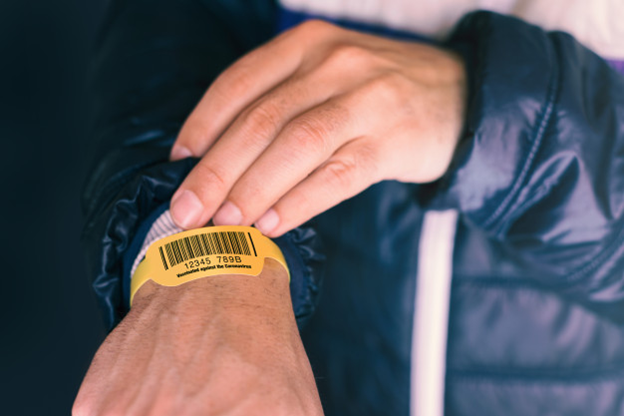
{"x": 188, "y": 248}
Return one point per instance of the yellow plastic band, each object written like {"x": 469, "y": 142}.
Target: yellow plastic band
{"x": 203, "y": 252}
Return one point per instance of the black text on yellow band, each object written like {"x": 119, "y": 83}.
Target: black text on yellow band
{"x": 203, "y": 252}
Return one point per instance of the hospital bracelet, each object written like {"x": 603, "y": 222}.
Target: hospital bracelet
{"x": 203, "y": 252}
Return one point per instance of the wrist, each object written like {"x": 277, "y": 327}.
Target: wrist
{"x": 269, "y": 289}
{"x": 203, "y": 252}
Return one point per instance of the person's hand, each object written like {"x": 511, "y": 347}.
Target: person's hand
{"x": 222, "y": 345}
{"x": 312, "y": 118}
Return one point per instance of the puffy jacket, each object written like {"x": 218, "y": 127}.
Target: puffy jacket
{"x": 532, "y": 206}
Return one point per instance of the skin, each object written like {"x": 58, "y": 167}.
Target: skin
{"x": 298, "y": 125}
{"x": 223, "y": 345}
{"x": 312, "y": 118}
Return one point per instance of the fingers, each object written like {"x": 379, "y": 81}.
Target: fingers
{"x": 306, "y": 143}
{"x": 303, "y": 145}
{"x": 205, "y": 188}
{"x": 351, "y": 170}
{"x": 254, "y": 177}
{"x": 240, "y": 85}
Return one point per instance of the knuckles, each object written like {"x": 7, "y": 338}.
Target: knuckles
{"x": 235, "y": 81}
{"x": 391, "y": 87}
{"x": 314, "y": 133}
{"x": 347, "y": 55}
{"x": 339, "y": 173}
{"x": 352, "y": 169}
{"x": 308, "y": 136}
{"x": 313, "y": 28}
{"x": 262, "y": 120}
{"x": 209, "y": 179}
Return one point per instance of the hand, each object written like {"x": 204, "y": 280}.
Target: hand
{"x": 312, "y": 118}
{"x": 222, "y": 345}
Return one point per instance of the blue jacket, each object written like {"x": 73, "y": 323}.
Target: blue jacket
{"x": 536, "y": 316}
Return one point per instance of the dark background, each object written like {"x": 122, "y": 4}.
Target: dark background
{"x": 50, "y": 323}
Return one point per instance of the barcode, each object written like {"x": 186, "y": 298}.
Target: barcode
{"x": 188, "y": 248}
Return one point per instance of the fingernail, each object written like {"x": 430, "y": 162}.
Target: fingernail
{"x": 268, "y": 221}
{"x": 179, "y": 152}
{"x": 186, "y": 209}
{"x": 228, "y": 214}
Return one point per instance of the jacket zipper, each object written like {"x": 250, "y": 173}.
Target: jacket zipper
{"x": 431, "y": 311}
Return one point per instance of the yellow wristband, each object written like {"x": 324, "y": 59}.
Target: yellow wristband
{"x": 203, "y": 252}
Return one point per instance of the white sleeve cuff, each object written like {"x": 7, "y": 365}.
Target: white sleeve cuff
{"x": 162, "y": 227}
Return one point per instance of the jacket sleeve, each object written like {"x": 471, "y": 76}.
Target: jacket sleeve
{"x": 154, "y": 60}
{"x": 541, "y": 165}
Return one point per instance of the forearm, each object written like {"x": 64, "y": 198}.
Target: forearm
{"x": 217, "y": 345}
{"x": 268, "y": 293}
